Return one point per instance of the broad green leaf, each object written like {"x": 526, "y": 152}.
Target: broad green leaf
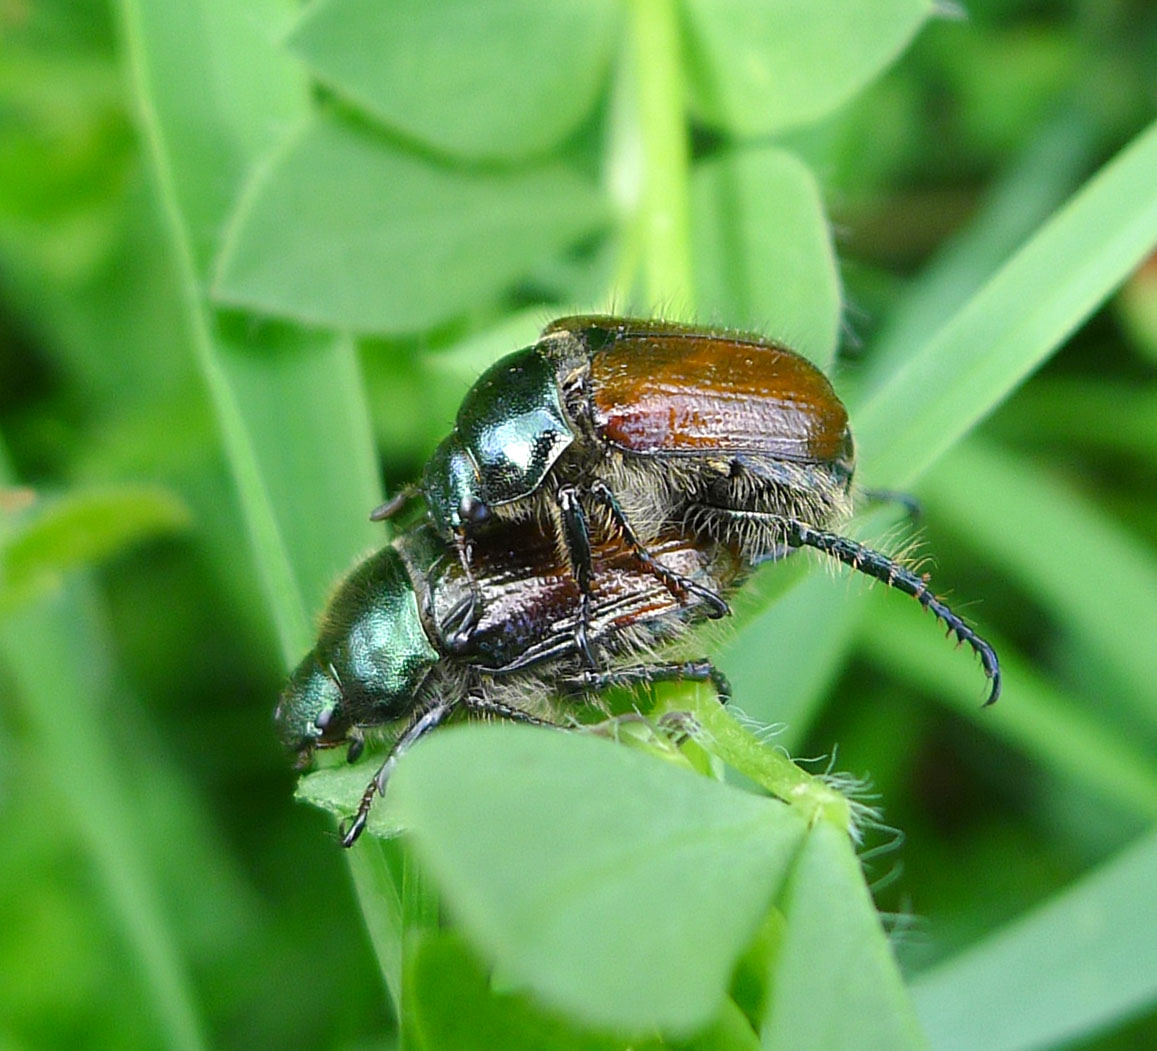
{"x": 763, "y": 250}
{"x": 346, "y": 229}
{"x": 760, "y": 66}
{"x": 616, "y": 887}
{"x": 502, "y": 79}
{"x": 835, "y": 983}
{"x": 1021, "y": 315}
{"x": 1080, "y": 963}
{"x": 450, "y": 1006}
{"x": 212, "y": 94}
{"x": 80, "y": 528}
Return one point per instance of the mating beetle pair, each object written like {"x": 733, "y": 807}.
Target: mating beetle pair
{"x": 605, "y": 432}
{"x": 723, "y": 436}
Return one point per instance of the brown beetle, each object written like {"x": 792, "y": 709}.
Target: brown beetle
{"x": 653, "y": 425}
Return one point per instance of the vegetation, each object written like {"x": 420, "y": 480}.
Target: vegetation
{"x": 251, "y": 255}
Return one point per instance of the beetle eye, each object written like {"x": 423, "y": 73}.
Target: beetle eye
{"x": 473, "y": 510}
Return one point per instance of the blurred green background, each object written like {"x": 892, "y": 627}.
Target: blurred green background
{"x": 175, "y": 258}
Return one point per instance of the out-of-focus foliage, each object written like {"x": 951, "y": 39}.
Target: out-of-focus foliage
{"x": 239, "y": 241}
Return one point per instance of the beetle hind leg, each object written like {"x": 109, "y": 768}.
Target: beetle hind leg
{"x": 481, "y": 705}
{"x": 879, "y": 566}
{"x": 671, "y": 671}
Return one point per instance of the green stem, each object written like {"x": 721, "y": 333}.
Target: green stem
{"x": 766, "y": 765}
{"x": 663, "y": 207}
{"x": 270, "y": 552}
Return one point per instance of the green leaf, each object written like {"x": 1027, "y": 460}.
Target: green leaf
{"x": 618, "y": 888}
{"x": 265, "y": 381}
{"x": 1082, "y": 962}
{"x": 759, "y": 67}
{"x": 498, "y": 80}
{"x": 763, "y": 249}
{"x": 1030, "y": 522}
{"x": 1015, "y": 321}
{"x": 835, "y": 982}
{"x": 78, "y": 529}
{"x": 1035, "y": 716}
{"x": 451, "y": 1007}
{"x": 345, "y": 229}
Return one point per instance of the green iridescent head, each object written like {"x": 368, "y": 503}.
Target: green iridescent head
{"x": 511, "y": 429}
{"x": 368, "y": 665}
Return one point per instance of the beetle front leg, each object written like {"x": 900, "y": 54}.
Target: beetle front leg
{"x": 395, "y": 503}
{"x": 464, "y": 616}
{"x": 576, "y": 535}
{"x": 679, "y": 586}
{"x": 420, "y": 725}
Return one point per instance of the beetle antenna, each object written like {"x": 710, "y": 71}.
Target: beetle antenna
{"x": 394, "y": 504}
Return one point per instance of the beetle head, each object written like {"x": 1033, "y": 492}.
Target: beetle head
{"x": 310, "y": 713}
{"x": 455, "y": 495}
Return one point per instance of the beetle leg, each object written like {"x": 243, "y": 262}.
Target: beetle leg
{"x": 486, "y": 706}
{"x": 679, "y": 586}
{"x": 394, "y": 504}
{"x": 672, "y": 671}
{"x": 420, "y": 725}
{"x": 577, "y": 536}
{"x": 464, "y": 616}
{"x": 881, "y": 567}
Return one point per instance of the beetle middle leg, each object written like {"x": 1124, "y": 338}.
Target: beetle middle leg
{"x": 679, "y": 585}
{"x": 670, "y": 671}
{"x": 420, "y": 725}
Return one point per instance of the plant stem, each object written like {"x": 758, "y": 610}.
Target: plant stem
{"x": 662, "y": 216}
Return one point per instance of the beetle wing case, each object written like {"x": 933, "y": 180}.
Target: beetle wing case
{"x": 531, "y": 600}
{"x": 663, "y": 388}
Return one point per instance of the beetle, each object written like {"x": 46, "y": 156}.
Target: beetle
{"x": 650, "y": 425}
{"x": 382, "y": 657}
